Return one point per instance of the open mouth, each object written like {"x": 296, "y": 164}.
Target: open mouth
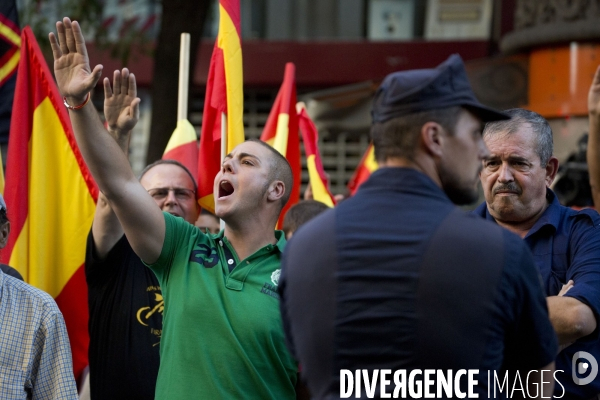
{"x": 225, "y": 189}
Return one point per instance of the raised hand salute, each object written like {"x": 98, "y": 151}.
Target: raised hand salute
{"x": 74, "y": 77}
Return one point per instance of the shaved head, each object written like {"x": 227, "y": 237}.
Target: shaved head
{"x": 279, "y": 170}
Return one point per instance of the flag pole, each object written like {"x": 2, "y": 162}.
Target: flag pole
{"x": 223, "y": 149}
{"x": 223, "y": 136}
{"x": 184, "y": 77}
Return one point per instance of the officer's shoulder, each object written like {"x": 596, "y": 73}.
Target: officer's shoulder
{"x": 477, "y": 231}
{"x": 315, "y": 229}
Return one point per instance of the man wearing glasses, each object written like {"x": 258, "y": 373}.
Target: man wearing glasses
{"x": 125, "y": 298}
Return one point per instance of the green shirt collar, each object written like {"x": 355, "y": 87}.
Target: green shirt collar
{"x": 279, "y": 235}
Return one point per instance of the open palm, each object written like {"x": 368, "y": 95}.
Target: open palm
{"x": 121, "y": 103}
{"x": 74, "y": 76}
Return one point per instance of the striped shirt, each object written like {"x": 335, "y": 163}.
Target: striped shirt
{"x": 35, "y": 355}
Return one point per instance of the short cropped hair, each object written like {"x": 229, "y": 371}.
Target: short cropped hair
{"x": 398, "y": 137}
{"x": 171, "y": 162}
{"x": 301, "y": 213}
{"x": 279, "y": 170}
{"x": 520, "y": 117}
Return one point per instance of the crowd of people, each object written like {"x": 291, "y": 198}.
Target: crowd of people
{"x": 396, "y": 280}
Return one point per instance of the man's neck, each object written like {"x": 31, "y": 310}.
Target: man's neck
{"x": 248, "y": 238}
{"x": 522, "y": 228}
{"x": 419, "y": 163}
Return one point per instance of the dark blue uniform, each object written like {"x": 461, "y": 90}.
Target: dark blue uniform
{"x": 566, "y": 245}
{"x": 397, "y": 277}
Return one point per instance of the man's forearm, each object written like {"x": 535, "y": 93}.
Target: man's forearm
{"x": 122, "y": 140}
{"x": 106, "y": 228}
{"x": 104, "y": 157}
{"x": 570, "y": 318}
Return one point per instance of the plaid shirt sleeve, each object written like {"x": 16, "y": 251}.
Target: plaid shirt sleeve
{"x": 52, "y": 371}
{"x": 35, "y": 355}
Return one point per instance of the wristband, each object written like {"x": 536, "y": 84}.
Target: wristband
{"x": 70, "y": 107}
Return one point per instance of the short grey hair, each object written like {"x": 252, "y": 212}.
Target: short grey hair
{"x": 170, "y": 162}
{"x": 519, "y": 117}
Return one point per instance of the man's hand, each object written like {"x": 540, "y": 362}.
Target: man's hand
{"x": 72, "y": 70}
{"x": 121, "y": 106}
{"x": 594, "y": 95}
{"x": 593, "y": 148}
{"x": 565, "y": 288}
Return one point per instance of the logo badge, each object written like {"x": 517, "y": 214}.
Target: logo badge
{"x": 584, "y": 367}
{"x": 275, "y": 276}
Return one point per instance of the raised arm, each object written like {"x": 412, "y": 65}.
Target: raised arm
{"x": 120, "y": 118}
{"x": 141, "y": 220}
{"x": 593, "y": 148}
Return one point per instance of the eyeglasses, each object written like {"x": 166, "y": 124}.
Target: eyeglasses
{"x": 181, "y": 194}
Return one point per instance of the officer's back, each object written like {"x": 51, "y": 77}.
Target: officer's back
{"x": 398, "y": 278}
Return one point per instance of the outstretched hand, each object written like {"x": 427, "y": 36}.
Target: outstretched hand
{"x": 121, "y": 104}
{"x": 74, "y": 76}
{"x": 594, "y": 95}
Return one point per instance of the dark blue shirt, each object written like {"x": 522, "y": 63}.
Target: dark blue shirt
{"x": 397, "y": 277}
{"x": 566, "y": 245}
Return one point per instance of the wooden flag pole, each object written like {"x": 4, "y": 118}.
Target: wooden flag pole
{"x": 184, "y": 77}
{"x": 223, "y": 148}
{"x": 223, "y": 136}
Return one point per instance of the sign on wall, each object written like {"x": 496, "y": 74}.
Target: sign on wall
{"x": 458, "y": 19}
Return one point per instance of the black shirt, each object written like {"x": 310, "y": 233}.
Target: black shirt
{"x": 126, "y": 307}
{"x": 397, "y": 277}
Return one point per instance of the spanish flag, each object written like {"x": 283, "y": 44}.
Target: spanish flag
{"x": 281, "y": 131}
{"x": 183, "y": 146}
{"x": 224, "y": 95}
{"x": 364, "y": 170}
{"x": 316, "y": 173}
{"x": 50, "y": 196}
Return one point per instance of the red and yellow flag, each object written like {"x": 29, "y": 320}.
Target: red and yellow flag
{"x": 281, "y": 131}
{"x": 224, "y": 95}
{"x": 183, "y": 146}
{"x": 319, "y": 182}
{"x": 365, "y": 168}
{"x": 50, "y": 196}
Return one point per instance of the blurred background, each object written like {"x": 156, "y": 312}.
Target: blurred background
{"x": 538, "y": 54}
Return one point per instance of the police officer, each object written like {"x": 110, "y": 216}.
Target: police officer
{"x": 398, "y": 278}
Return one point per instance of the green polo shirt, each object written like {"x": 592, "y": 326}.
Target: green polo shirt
{"x": 222, "y": 335}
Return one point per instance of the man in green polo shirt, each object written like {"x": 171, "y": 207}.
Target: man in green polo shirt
{"x": 222, "y": 334}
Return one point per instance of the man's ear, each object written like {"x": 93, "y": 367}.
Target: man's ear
{"x": 551, "y": 170}
{"x": 276, "y": 191}
{"x": 4, "y": 232}
{"x": 431, "y": 138}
